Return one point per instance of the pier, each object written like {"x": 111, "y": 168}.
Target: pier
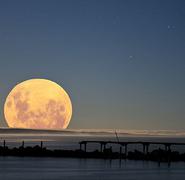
{"x": 125, "y": 144}
{"x": 164, "y": 155}
{"x": 161, "y": 153}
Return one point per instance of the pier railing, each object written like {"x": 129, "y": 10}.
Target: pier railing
{"x": 125, "y": 144}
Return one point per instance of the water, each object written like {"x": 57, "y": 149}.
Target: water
{"x": 19, "y": 168}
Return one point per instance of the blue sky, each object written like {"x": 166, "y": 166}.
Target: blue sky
{"x": 122, "y": 62}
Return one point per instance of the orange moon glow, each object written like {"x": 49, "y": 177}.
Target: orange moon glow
{"x": 38, "y": 104}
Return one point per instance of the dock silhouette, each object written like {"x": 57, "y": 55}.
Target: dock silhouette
{"x": 125, "y": 144}
{"x": 164, "y": 154}
{"x": 159, "y": 155}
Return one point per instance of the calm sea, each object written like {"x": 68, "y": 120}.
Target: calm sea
{"x": 14, "y": 168}
{"x": 26, "y": 168}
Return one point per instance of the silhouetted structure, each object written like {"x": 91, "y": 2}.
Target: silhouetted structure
{"x": 159, "y": 155}
{"x": 145, "y": 145}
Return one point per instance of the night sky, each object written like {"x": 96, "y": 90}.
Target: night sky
{"x": 122, "y": 62}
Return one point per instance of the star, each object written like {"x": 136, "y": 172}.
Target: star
{"x": 131, "y": 58}
{"x": 171, "y": 27}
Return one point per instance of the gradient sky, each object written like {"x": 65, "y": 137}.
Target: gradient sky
{"x": 122, "y": 62}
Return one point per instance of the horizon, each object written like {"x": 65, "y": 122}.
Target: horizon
{"x": 103, "y": 132}
{"x": 92, "y": 89}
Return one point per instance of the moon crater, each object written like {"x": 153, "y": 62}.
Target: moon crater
{"x": 38, "y": 103}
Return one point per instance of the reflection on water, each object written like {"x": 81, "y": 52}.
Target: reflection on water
{"x": 82, "y": 169}
{"x": 26, "y": 168}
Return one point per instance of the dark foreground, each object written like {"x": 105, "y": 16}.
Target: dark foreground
{"x": 159, "y": 155}
{"x": 50, "y": 168}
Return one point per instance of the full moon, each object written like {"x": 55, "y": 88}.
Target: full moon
{"x": 38, "y": 104}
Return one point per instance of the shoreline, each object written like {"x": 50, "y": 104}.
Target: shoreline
{"x": 157, "y": 155}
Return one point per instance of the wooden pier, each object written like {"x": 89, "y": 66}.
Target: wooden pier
{"x": 125, "y": 144}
